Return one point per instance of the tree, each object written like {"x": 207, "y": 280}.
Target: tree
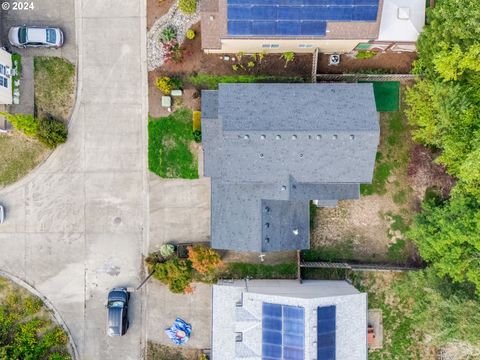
{"x": 452, "y": 27}
{"x": 175, "y": 273}
{"x": 448, "y": 237}
{"x": 444, "y": 108}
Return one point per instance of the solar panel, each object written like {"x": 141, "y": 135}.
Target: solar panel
{"x": 283, "y": 332}
{"x": 294, "y": 17}
{"x": 326, "y": 332}
{"x": 365, "y": 13}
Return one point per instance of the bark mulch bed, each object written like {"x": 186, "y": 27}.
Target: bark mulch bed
{"x": 388, "y": 62}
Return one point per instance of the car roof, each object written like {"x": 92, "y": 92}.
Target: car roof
{"x": 37, "y": 35}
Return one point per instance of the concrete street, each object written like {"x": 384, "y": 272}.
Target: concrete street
{"x": 78, "y": 224}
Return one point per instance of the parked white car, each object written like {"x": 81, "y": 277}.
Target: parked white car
{"x": 2, "y": 214}
{"x": 32, "y": 36}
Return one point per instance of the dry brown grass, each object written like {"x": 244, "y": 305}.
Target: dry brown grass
{"x": 54, "y": 87}
{"x": 18, "y": 156}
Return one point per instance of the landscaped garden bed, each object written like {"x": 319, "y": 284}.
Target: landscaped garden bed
{"x": 27, "y": 329}
{"x": 387, "y": 63}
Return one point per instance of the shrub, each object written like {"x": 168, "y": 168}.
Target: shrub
{"x": 52, "y": 132}
{"x": 24, "y": 123}
{"x": 164, "y": 84}
{"x": 197, "y": 136}
{"x": 288, "y": 57}
{"x": 188, "y": 6}
{"x": 204, "y": 259}
{"x": 365, "y": 54}
{"x": 196, "y": 120}
{"x": 176, "y": 82}
{"x": 173, "y": 52}
{"x": 175, "y": 273}
{"x": 168, "y": 34}
{"x": 251, "y": 64}
{"x": 190, "y": 34}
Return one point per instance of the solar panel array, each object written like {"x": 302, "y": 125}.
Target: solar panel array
{"x": 294, "y": 17}
{"x": 283, "y": 332}
{"x": 326, "y": 333}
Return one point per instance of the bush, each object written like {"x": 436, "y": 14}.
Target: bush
{"x": 188, "y": 6}
{"x": 176, "y": 82}
{"x": 197, "y": 136}
{"x": 24, "y": 123}
{"x": 175, "y": 273}
{"x": 168, "y": 34}
{"x": 365, "y": 54}
{"x": 204, "y": 259}
{"x": 164, "y": 84}
{"x": 173, "y": 52}
{"x": 190, "y": 34}
{"x": 52, "y": 132}
{"x": 288, "y": 57}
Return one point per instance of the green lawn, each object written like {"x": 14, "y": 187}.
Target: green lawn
{"x": 237, "y": 270}
{"x": 387, "y": 95}
{"x": 392, "y": 156}
{"x": 18, "y": 155}
{"x": 54, "y": 87}
{"x": 170, "y": 142}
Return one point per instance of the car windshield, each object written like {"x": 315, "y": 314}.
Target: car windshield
{"x": 115, "y": 304}
{"x": 22, "y": 35}
{"x": 51, "y": 36}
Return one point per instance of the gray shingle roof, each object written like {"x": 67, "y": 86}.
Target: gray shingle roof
{"x": 282, "y": 145}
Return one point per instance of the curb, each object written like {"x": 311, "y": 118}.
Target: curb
{"x": 56, "y": 315}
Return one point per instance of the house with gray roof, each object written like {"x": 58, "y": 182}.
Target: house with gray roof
{"x": 286, "y": 319}
{"x": 271, "y": 148}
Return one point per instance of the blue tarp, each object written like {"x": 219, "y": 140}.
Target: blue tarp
{"x": 179, "y": 332}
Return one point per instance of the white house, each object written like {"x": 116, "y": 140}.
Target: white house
{"x": 6, "y": 80}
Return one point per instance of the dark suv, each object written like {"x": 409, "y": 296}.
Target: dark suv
{"x": 117, "y": 317}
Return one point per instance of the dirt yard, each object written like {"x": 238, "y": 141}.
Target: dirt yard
{"x": 163, "y": 352}
{"x": 156, "y": 9}
{"x": 373, "y": 228}
{"x": 388, "y": 62}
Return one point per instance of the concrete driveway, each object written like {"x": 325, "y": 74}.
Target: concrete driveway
{"x": 179, "y": 212}
{"x": 78, "y": 224}
{"x": 59, "y": 13}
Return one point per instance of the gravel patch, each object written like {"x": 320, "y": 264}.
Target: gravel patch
{"x": 175, "y": 18}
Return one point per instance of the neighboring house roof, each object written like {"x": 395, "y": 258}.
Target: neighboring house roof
{"x": 271, "y": 148}
{"x": 277, "y": 19}
{"x": 294, "y": 18}
{"x": 275, "y": 319}
{"x": 402, "y": 20}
